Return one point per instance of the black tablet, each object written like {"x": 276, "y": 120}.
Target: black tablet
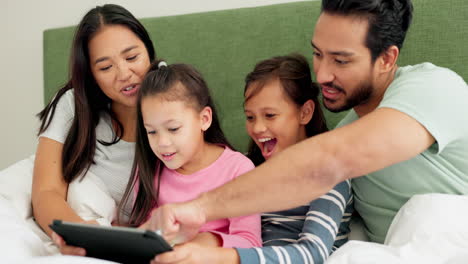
{"x": 120, "y": 244}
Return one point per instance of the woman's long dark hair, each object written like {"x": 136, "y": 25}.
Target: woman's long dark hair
{"x": 163, "y": 81}
{"x": 293, "y": 71}
{"x": 90, "y": 102}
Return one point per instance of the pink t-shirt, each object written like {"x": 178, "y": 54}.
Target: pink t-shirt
{"x": 242, "y": 232}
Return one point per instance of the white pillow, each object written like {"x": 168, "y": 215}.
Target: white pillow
{"x": 429, "y": 228}
{"x": 435, "y": 225}
{"x": 88, "y": 197}
{"x": 16, "y": 184}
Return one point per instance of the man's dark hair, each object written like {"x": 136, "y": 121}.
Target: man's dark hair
{"x": 388, "y": 20}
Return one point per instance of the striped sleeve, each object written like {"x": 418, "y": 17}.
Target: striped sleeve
{"x": 326, "y": 227}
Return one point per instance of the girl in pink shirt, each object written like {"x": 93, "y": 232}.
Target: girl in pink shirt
{"x": 182, "y": 152}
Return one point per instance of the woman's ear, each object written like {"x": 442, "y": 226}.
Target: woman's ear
{"x": 206, "y": 118}
{"x": 307, "y": 111}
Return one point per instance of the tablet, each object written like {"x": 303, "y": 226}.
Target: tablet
{"x": 120, "y": 244}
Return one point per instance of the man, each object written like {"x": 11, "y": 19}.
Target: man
{"x": 406, "y": 131}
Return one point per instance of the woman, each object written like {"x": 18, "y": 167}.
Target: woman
{"x": 88, "y": 129}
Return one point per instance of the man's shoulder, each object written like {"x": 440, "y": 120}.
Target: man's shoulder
{"x": 422, "y": 80}
{"x": 425, "y": 72}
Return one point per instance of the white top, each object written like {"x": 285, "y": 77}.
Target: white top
{"x": 113, "y": 164}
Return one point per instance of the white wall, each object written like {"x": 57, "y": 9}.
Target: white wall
{"x": 21, "y": 26}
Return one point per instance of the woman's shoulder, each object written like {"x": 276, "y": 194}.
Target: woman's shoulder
{"x": 67, "y": 100}
{"x": 61, "y": 117}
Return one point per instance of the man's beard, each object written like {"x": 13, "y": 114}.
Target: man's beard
{"x": 358, "y": 97}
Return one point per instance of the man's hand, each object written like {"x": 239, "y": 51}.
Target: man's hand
{"x": 178, "y": 222}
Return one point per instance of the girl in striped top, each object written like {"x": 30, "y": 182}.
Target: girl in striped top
{"x": 281, "y": 108}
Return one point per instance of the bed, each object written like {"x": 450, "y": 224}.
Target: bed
{"x": 224, "y": 46}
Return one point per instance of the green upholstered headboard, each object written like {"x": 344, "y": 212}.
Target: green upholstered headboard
{"x": 225, "y": 45}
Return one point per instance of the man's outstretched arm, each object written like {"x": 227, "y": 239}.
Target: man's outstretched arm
{"x": 307, "y": 170}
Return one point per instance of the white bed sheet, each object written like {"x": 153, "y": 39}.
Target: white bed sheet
{"x": 430, "y": 228}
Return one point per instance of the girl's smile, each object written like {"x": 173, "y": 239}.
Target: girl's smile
{"x": 267, "y": 145}
{"x": 168, "y": 156}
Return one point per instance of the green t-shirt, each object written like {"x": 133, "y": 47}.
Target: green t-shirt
{"x": 438, "y": 99}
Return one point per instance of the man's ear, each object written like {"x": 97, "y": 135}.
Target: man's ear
{"x": 206, "y": 118}
{"x": 388, "y": 59}
{"x": 307, "y": 111}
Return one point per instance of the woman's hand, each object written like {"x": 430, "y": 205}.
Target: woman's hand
{"x": 193, "y": 253}
{"x": 66, "y": 249}
{"x": 70, "y": 250}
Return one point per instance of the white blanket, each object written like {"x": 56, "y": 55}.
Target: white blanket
{"x": 22, "y": 239}
{"x": 431, "y": 228}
